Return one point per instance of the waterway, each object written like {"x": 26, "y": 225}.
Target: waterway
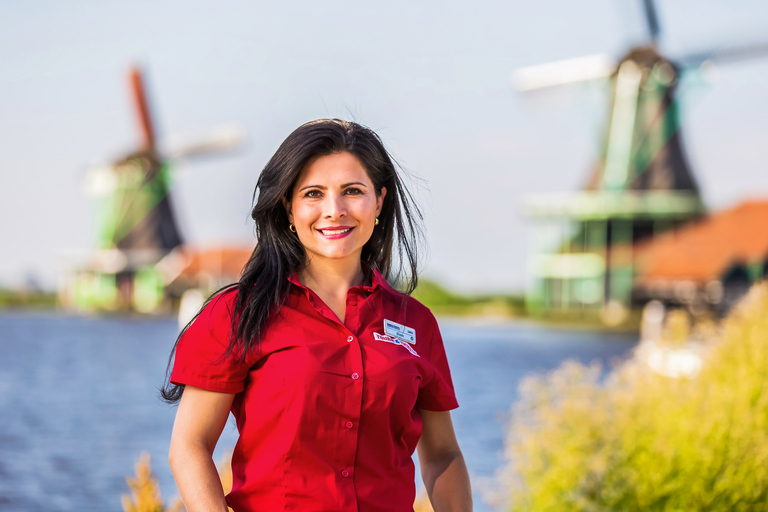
{"x": 78, "y": 400}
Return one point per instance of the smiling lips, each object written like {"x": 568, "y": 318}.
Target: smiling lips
{"x": 335, "y": 232}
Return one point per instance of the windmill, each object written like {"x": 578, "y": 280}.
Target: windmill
{"x": 137, "y": 231}
{"x": 641, "y": 186}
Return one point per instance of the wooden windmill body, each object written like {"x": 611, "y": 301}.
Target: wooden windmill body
{"x": 641, "y": 186}
{"x": 137, "y": 233}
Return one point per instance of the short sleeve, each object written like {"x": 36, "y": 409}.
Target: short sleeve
{"x": 437, "y": 394}
{"x": 201, "y": 358}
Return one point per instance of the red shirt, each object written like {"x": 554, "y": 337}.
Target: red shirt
{"x": 327, "y": 412}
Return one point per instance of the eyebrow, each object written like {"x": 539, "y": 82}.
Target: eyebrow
{"x": 345, "y": 185}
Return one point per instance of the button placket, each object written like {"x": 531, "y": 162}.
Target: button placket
{"x": 350, "y": 417}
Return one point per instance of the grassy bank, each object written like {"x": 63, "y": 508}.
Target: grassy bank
{"x": 14, "y": 299}
{"x": 448, "y": 303}
{"x": 638, "y": 441}
{"x": 444, "y": 302}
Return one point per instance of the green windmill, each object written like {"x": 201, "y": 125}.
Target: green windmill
{"x": 136, "y": 228}
{"x": 641, "y": 186}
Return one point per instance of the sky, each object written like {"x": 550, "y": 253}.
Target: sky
{"x": 431, "y": 78}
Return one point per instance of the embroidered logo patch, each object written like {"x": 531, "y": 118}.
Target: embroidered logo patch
{"x": 395, "y": 341}
{"x": 399, "y": 331}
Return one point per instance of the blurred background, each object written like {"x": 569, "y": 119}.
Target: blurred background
{"x": 575, "y": 161}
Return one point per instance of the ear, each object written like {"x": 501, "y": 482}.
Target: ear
{"x": 380, "y": 200}
{"x": 288, "y": 209}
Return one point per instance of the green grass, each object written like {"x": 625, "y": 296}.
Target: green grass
{"x": 444, "y": 302}
{"x": 31, "y": 300}
{"x": 587, "y": 318}
{"x": 447, "y": 303}
{"x": 638, "y": 441}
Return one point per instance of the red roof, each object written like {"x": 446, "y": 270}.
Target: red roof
{"x": 705, "y": 250}
{"x": 226, "y": 262}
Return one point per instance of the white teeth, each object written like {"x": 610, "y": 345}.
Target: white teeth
{"x": 334, "y": 231}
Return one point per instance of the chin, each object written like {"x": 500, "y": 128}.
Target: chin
{"x": 335, "y": 254}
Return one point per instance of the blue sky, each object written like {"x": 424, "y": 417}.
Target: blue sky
{"x": 432, "y": 78}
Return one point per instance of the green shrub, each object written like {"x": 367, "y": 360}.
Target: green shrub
{"x": 640, "y": 441}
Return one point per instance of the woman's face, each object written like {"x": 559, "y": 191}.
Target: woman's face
{"x": 334, "y": 207}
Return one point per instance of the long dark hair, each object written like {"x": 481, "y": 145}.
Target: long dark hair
{"x": 264, "y": 285}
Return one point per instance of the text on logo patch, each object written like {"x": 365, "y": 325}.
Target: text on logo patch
{"x": 400, "y": 331}
{"x": 395, "y": 341}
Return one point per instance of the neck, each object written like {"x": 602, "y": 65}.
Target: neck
{"x": 330, "y": 276}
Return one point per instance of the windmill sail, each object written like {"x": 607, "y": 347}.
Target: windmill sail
{"x": 641, "y": 186}
{"x": 138, "y": 216}
{"x": 136, "y": 257}
{"x": 643, "y": 151}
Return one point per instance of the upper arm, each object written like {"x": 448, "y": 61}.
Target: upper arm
{"x": 200, "y": 418}
{"x": 437, "y": 436}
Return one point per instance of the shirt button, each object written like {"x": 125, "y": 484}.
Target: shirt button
{"x": 350, "y": 338}
{"x": 355, "y": 376}
{"x": 349, "y": 424}
{"x": 344, "y": 473}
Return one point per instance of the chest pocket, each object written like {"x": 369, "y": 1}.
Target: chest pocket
{"x": 393, "y": 378}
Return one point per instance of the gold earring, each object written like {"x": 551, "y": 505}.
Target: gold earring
{"x": 292, "y": 227}
{"x": 377, "y": 222}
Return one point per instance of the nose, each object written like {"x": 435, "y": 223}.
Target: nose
{"x": 335, "y": 206}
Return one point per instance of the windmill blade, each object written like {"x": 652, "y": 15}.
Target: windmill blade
{"x": 225, "y": 138}
{"x": 141, "y": 104}
{"x": 652, "y": 19}
{"x": 726, "y": 54}
{"x": 99, "y": 181}
{"x": 563, "y": 72}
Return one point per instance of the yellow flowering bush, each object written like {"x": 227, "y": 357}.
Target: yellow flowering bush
{"x": 145, "y": 491}
{"x": 422, "y": 503}
{"x": 639, "y": 441}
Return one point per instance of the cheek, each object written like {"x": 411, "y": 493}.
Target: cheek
{"x": 368, "y": 210}
{"x": 303, "y": 214}
{"x": 368, "y": 215}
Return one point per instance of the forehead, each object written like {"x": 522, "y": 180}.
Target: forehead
{"x": 333, "y": 169}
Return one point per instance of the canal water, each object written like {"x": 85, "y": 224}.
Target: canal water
{"x": 78, "y": 400}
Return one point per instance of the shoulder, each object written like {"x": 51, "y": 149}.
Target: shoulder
{"x": 402, "y": 308}
{"x": 205, "y": 356}
{"x": 215, "y": 317}
{"x": 211, "y": 332}
{"x": 416, "y": 308}
{"x": 220, "y": 306}
{"x": 406, "y": 310}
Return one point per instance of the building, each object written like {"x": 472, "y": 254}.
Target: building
{"x": 708, "y": 264}
{"x": 583, "y": 244}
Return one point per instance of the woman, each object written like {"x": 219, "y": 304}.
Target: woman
{"x": 333, "y": 376}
